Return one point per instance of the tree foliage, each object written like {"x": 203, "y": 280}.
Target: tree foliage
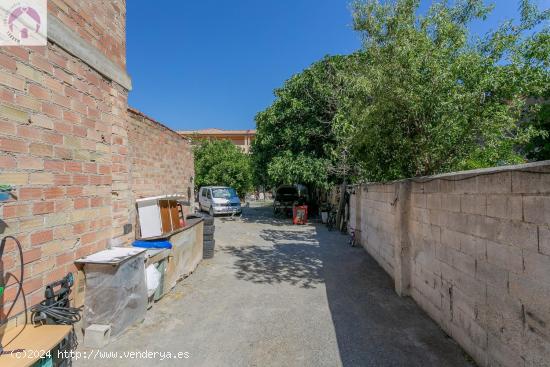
{"x": 421, "y": 97}
{"x": 220, "y": 162}
{"x": 296, "y": 139}
{"x": 440, "y": 101}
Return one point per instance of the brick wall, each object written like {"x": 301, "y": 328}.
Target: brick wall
{"x": 63, "y": 145}
{"x": 59, "y": 136}
{"x": 473, "y": 250}
{"x": 161, "y": 160}
{"x": 101, "y": 23}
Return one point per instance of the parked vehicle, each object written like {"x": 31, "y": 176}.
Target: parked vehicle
{"x": 286, "y": 196}
{"x": 219, "y": 200}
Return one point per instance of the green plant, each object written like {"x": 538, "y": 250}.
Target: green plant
{"x": 220, "y": 162}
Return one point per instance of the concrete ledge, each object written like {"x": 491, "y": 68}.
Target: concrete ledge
{"x": 71, "y": 42}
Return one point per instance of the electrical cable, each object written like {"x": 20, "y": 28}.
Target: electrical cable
{"x": 58, "y": 312}
{"x": 19, "y": 281}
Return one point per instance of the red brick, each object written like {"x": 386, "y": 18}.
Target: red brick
{"x": 41, "y": 237}
{"x": 30, "y": 163}
{"x": 84, "y": 251}
{"x": 61, "y": 100}
{"x": 63, "y": 128}
{"x": 88, "y": 238}
{"x": 30, "y": 285}
{"x": 80, "y": 131}
{"x": 56, "y": 274}
{"x": 11, "y": 81}
{"x": 52, "y": 138}
{"x": 43, "y": 150}
{"x": 31, "y": 255}
{"x": 58, "y": 59}
{"x": 73, "y": 166}
{"x": 62, "y": 180}
{"x": 81, "y": 203}
{"x": 51, "y": 110}
{"x": 16, "y": 211}
{"x": 62, "y": 153}
{"x": 7, "y": 95}
{"x": 96, "y": 202}
{"x": 90, "y": 168}
{"x": 28, "y": 132}
{"x": 54, "y": 193}
{"x": 64, "y": 259}
{"x": 27, "y": 102}
{"x": 30, "y": 193}
{"x": 39, "y": 92}
{"x": 63, "y": 205}
{"x": 80, "y": 179}
{"x": 7, "y": 127}
{"x": 7, "y": 62}
{"x": 80, "y": 228}
{"x": 17, "y": 51}
{"x": 63, "y": 231}
{"x": 104, "y": 169}
{"x": 71, "y": 116}
{"x": 55, "y": 166}
{"x": 74, "y": 191}
{"x": 54, "y": 85}
{"x": 41, "y": 62}
{"x": 10, "y": 145}
{"x": 7, "y": 161}
{"x": 43, "y": 208}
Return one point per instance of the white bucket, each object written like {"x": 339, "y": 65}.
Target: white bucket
{"x": 324, "y": 217}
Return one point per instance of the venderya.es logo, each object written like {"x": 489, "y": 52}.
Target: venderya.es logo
{"x": 24, "y": 23}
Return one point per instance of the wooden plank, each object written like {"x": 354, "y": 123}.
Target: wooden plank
{"x": 33, "y": 341}
{"x": 175, "y": 215}
{"x": 165, "y": 216}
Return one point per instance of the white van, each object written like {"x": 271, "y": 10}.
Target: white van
{"x": 219, "y": 200}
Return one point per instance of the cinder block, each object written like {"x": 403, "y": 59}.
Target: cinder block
{"x": 495, "y": 183}
{"x": 536, "y": 209}
{"x": 520, "y": 234}
{"x": 505, "y": 206}
{"x": 473, "y": 204}
{"x": 530, "y": 183}
{"x": 537, "y": 266}
{"x": 97, "y": 336}
{"x": 544, "y": 240}
{"x": 505, "y": 256}
{"x": 450, "y": 202}
{"x": 492, "y": 275}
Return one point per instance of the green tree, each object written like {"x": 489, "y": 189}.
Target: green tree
{"x": 439, "y": 101}
{"x": 297, "y": 136}
{"x": 220, "y": 162}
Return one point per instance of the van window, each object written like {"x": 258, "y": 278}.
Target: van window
{"x": 208, "y": 194}
{"x": 204, "y": 192}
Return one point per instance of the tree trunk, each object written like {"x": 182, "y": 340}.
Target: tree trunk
{"x": 341, "y": 205}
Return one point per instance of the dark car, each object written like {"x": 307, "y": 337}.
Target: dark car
{"x": 286, "y": 196}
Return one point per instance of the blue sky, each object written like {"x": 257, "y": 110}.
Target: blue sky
{"x": 214, "y": 63}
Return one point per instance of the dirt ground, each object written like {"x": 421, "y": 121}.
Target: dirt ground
{"x": 282, "y": 295}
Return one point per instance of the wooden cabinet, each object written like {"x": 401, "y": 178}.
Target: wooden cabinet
{"x": 159, "y": 216}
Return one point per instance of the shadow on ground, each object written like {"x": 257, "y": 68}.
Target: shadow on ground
{"x": 373, "y": 326}
{"x": 258, "y": 215}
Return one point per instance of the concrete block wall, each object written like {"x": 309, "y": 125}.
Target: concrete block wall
{"x": 474, "y": 255}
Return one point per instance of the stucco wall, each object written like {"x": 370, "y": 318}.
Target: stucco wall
{"x": 473, "y": 250}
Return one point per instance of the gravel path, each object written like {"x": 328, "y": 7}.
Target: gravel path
{"x": 283, "y": 295}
